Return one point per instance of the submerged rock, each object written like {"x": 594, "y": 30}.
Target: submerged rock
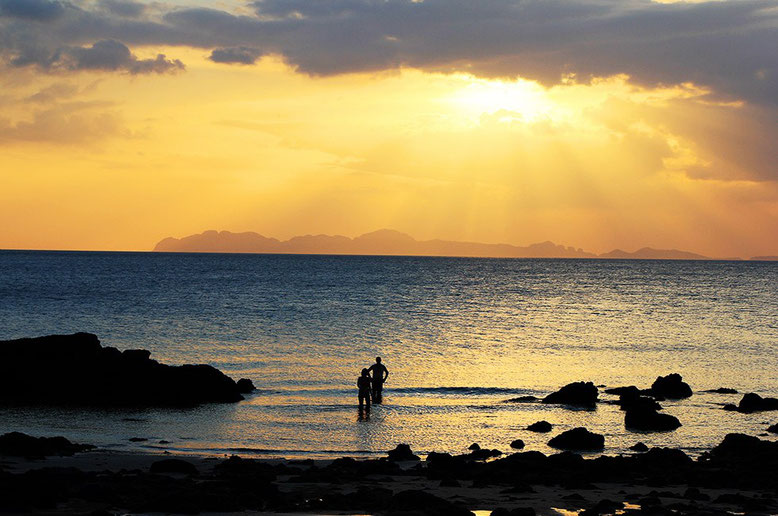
{"x": 17, "y": 444}
{"x": 578, "y": 439}
{"x": 518, "y": 444}
{"x": 579, "y": 394}
{"x": 540, "y": 426}
{"x": 521, "y": 399}
{"x": 671, "y": 386}
{"x": 79, "y": 371}
{"x": 647, "y": 419}
{"x": 723, "y": 390}
{"x": 752, "y": 402}
{"x": 402, "y": 453}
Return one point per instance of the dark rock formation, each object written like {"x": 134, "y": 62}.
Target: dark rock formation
{"x": 752, "y": 402}
{"x": 671, "y": 386}
{"x": 517, "y": 511}
{"x": 474, "y": 446}
{"x": 773, "y": 428}
{"x": 245, "y": 386}
{"x": 639, "y": 447}
{"x": 646, "y": 419}
{"x": 521, "y": 399}
{"x": 483, "y": 454}
{"x": 578, "y": 439}
{"x": 518, "y": 444}
{"x": 540, "y": 426}
{"x": 579, "y": 394}
{"x": 76, "y": 370}
{"x": 621, "y": 391}
{"x": 723, "y": 390}
{"x": 17, "y": 444}
{"x": 174, "y": 466}
{"x": 635, "y": 401}
{"x": 402, "y": 453}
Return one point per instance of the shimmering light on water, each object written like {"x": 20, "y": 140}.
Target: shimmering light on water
{"x": 303, "y": 326}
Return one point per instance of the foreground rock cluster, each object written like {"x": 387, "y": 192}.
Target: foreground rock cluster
{"x": 661, "y": 481}
{"x": 77, "y": 370}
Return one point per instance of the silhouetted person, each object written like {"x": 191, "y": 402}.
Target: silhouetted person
{"x": 380, "y": 374}
{"x": 363, "y": 383}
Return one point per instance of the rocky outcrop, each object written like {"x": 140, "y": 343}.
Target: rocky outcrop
{"x": 517, "y": 444}
{"x": 671, "y": 386}
{"x": 646, "y": 419}
{"x": 76, "y": 370}
{"x": 245, "y": 386}
{"x": 540, "y": 426}
{"x": 402, "y": 453}
{"x": 578, "y": 439}
{"x": 773, "y": 428}
{"x": 723, "y": 390}
{"x": 17, "y": 444}
{"x": 578, "y": 394}
{"x": 639, "y": 447}
{"x": 752, "y": 402}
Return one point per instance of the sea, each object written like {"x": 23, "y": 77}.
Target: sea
{"x": 459, "y": 336}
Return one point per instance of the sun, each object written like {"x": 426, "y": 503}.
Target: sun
{"x": 518, "y": 100}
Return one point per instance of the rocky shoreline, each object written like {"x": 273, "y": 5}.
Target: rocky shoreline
{"x": 740, "y": 475}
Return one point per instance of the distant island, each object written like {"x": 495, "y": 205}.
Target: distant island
{"x": 394, "y": 243}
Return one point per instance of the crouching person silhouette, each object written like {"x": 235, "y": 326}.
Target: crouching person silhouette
{"x": 364, "y": 383}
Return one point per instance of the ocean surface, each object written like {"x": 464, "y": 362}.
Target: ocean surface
{"x": 458, "y": 336}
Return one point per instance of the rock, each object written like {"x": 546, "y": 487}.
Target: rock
{"x": 483, "y": 454}
{"x": 631, "y": 401}
{"x": 174, "y": 466}
{"x": 639, "y": 447}
{"x": 79, "y": 371}
{"x": 621, "y": 391}
{"x": 450, "y": 482}
{"x": 722, "y": 390}
{"x": 603, "y": 507}
{"x": 671, "y": 386}
{"x": 540, "y": 426}
{"x": 521, "y": 399}
{"x": 578, "y": 439}
{"x": 422, "y": 502}
{"x": 245, "y": 386}
{"x": 474, "y": 446}
{"x": 773, "y": 428}
{"x": 518, "y": 444}
{"x": 649, "y": 420}
{"x": 579, "y": 394}
{"x": 137, "y": 439}
{"x": 518, "y": 511}
{"x": 746, "y": 450}
{"x": 693, "y": 493}
{"x": 402, "y": 453}
{"x": 752, "y": 402}
{"x": 17, "y": 444}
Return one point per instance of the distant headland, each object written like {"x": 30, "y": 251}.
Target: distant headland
{"x": 394, "y": 243}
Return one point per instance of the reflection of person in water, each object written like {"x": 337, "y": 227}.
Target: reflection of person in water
{"x": 380, "y": 374}
{"x": 363, "y": 383}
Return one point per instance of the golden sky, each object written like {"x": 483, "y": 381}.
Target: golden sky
{"x": 450, "y": 131}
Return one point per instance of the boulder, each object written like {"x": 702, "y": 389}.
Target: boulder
{"x": 723, "y": 390}
{"x": 174, "y": 466}
{"x": 578, "y": 439}
{"x": 245, "y": 386}
{"x": 578, "y": 394}
{"x": 483, "y": 454}
{"x": 632, "y": 401}
{"x": 647, "y": 419}
{"x": 749, "y": 451}
{"x": 422, "y": 502}
{"x": 671, "y": 386}
{"x": 621, "y": 391}
{"x": 518, "y": 444}
{"x": 540, "y": 426}
{"x": 639, "y": 447}
{"x": 752, "y": 402}
{"x": 87, "y": 374}
{"x": 474, "y": 446}
{"x": 17, "y": 444}
{"x": 773, "y": 428}
{"x": 402, "y": 453}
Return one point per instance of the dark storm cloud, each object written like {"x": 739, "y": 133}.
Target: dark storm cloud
{"x": 728, "y": 46}
{"x": 235, "y": 55}
{"x": 41, "y": 10}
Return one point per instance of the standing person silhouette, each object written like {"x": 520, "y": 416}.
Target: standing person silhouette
{"x": 380, "y": 374}
{"x": 363, "y": 383}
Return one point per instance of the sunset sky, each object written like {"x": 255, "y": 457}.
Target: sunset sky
{"x": 592, "y": 123}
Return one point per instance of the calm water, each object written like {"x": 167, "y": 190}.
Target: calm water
{"x": 458, "y": 336}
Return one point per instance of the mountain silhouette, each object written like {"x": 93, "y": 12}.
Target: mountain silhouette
{"x": 393, "y": 243}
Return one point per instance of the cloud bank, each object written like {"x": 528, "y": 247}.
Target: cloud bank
{"x": 728, "y": 46}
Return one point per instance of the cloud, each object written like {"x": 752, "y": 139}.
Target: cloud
{"x": 728, "y": 46}
{"x": 125, "y": 8}
{"x": 105, "y": 55}
{"x": 235, "y": 55}
{"x": 71, "y": 123}
{"x": 38, "y": 10}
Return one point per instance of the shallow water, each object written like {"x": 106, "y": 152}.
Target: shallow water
{"x": 458, "y": 336}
